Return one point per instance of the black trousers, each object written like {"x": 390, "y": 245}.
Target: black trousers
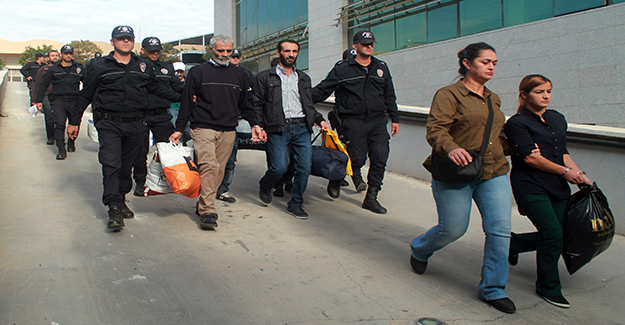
{"x": 60, "y": 113}
{"x": 161, "y": 128}
{"x": 368, "y": 138}
{"x": 120, "y": 146}
{"x": 47, "y": 112}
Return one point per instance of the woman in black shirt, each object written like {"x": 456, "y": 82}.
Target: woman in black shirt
{"x": 539, "y": 182}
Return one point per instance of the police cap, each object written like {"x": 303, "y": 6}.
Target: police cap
{"x": 67, "y": 49}
{"x": 364, "y": 37}
{"x": 151, "y": 44}
{"x": 236, "y": 54}
{"x": 123, "y": 31}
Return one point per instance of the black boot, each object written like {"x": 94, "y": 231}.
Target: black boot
{"x": 359, "y": 184}
{"x": 116, "y": 219}
{"x": 334, "y": 188}
{"x": 71, "y": 147}
{"x": 62, "y": 152}
{"x": 371, "y": 200}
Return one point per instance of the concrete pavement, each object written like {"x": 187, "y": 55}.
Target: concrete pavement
{"x": 344, "y": 265}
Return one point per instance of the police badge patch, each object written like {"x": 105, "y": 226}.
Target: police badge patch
{"x": 164, "y": 71}
{"x": 142, "y": 66}
{"x": 380, "y": 73}
{"x": 78, "y": 69}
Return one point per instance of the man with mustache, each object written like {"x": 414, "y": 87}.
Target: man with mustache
{"x": 282, "y": 96}
{"x": 216, "y": 93}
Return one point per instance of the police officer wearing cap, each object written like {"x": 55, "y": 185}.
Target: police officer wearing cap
{"x": 157, "y": 115}
{"x": 65, "y": 77}
{"x": 29, "y": 71}
{"x": 364, "y": 95}
{"x": 117, "y": 86}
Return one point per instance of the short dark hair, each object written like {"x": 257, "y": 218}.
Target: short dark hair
{"x": 279, "y": 48}
{"x": 471, "y": 52}
{"x": 52, "y": 51}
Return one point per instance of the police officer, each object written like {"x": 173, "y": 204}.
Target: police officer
{"x": 364, "y": 94}
{"x": 157, "y": 115}
{"x": 65, "y": 77}
{"x": 47, "y": 110}
{"x": 118, "y": 85}
{"x": 29, "y": 71}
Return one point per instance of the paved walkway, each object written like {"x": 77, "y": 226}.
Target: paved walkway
{"x": 344, "y": 265}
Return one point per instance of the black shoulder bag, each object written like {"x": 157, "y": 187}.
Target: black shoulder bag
{"x": 445, "y": 170}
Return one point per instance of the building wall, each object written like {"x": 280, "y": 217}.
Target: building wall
{"x": 225, "y": 18}
{"x": 581, "y": 53}
{"x": 326, "y": 41}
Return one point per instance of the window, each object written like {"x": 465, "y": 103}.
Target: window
{"x": 275, "y": 15}
{"x": 399, "y": 24}
{"x": 561, "y": 7}
{"x": 479, "y": 16}
{"x": 517, "y": 12}
{"x": 442, "y": 20}
{"x": 411, "y": 29}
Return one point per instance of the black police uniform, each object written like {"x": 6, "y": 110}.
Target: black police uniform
{"x": 157, "y": 115}
{"x": 65, "y": 89}
{"x": 120, "y": 97}
{"x": 364, "y": 95}
{"x": 30, "y": 69}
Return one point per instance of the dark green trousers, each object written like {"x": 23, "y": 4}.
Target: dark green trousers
{"x": 546, "y": 214}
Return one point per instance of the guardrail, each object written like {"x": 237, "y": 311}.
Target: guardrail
{"x": 598, "y": 150}
{"x": 3, "y": 84}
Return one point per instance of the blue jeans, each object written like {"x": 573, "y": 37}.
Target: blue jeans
{"x": 298, "y": 136}
{"x": 453, "y": 203}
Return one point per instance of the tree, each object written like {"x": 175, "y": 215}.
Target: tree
{"x": 169, "y": 53}
{"x": 207, "y": 56}
{"x": 2, "y": 64}
{"x": 30, "y": 52}
{"x": 84, "y": 50}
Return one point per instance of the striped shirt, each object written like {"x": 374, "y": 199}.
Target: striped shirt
{"x": 291, "y": 103}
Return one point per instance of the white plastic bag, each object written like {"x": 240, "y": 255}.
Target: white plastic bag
{"x": 155, "y": 181}
{"x": 92, "y": 131}
{"x": 180, "y": 170}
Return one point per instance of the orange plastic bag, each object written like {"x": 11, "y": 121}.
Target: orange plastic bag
{"x": 180, "y": 170}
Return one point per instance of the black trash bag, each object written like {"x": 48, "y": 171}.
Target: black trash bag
{"x": 588, "y": 227}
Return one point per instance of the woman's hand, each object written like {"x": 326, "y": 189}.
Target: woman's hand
{"x": 577, "y": 177}
{"x": 460, "y": 157}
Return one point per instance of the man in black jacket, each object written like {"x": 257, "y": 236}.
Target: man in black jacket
{"x": 29, "y": 71}
{"x": 364, "y": 94}
{"x": 216, "y": 93}
{"x": 282, "y": 96}
{"x": 46, "y": 109}
{"x": 157, "y": 115}
{"x": 65, "y": 77}
{"x": 117, "y": 86}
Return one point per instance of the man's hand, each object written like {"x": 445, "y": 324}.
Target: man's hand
{"x": 40, "y": 107}
{"x": 324, "y": 125}
{"x": 72, "y": 131}
{"x": 394, "y": 129}
{"x": 174, "y": 137}
{"x": 29, "y": 78}
{"x": 258, "y": 134}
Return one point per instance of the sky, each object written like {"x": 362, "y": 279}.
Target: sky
{"x": 68, "y": 20}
